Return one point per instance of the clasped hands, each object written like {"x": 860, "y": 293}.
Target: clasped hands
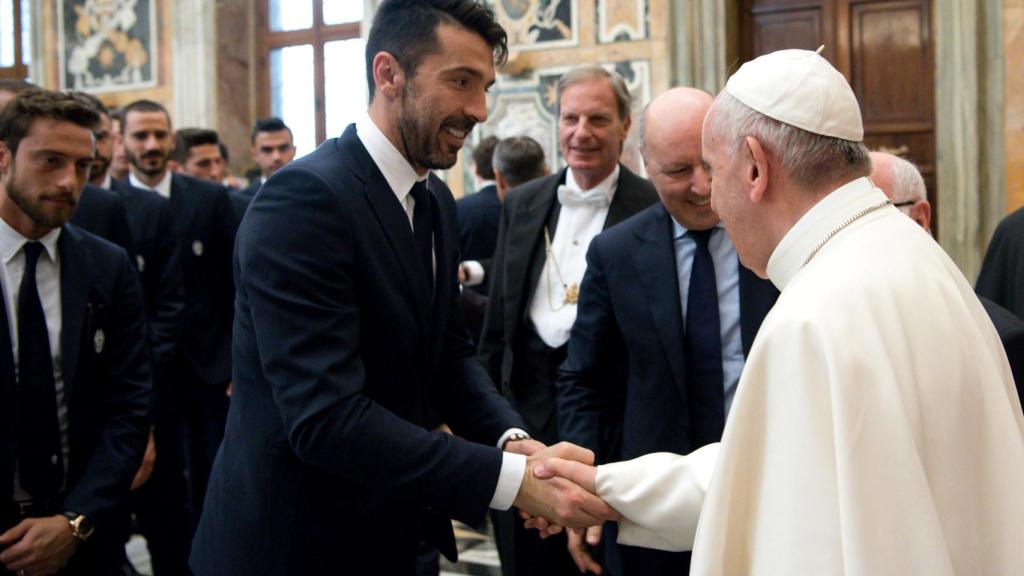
{"x": 558, "y": 490}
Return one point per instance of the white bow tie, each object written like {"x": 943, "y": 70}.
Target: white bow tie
{"x": 596, "y": 198}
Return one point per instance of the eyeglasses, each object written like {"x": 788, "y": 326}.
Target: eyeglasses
{"x": 905, "y": 203}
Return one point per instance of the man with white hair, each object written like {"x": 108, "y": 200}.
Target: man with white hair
{"x": 869, "y": 434}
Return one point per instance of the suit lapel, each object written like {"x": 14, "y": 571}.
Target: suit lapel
{"x": 626, "y": 202}
{"x": 74, "y": 295}
{"x": 526, "y": 260}
{"x": 756, "y": 298}
{"x": 655, "y": 263}
{"x": 393, "y": 220}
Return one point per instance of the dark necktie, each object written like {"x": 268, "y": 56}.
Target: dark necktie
{"x": 422, "y": 225}
{"x": 41, "y": 469}
{"x": 703, "y": 343}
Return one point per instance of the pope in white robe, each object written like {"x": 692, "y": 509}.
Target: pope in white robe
{"x": 876, "y": 429}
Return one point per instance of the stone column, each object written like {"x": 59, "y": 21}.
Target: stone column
{"x": 969, "y": 126}
{"x": 698, "y": 43}
{"x": 194, "y": 73}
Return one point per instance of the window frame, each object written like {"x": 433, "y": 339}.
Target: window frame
{"x": 20, "y": 69}
{"x": 317, "y": 36}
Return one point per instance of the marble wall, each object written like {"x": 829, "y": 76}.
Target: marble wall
{"x": 1013, "y": 42}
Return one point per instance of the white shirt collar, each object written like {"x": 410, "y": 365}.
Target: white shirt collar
{"x": 678, "y": 230}
{"x": 395, "y": 168}
{"x": 107, "y": 181}
{"x": 804, "y": 237}
{"x": 163, "y": 187}
{"x": 11, "y": 242}
{"x": 606, "y": 186}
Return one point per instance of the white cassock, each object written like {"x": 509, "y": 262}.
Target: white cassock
{"x": 876, "y": 429}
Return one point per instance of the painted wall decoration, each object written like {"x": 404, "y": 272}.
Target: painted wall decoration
{"x": 527, "y": 106}
{"x": 107, "y": 45}
{"x": 538, "y": 24}
{"x": 622, "y": 20}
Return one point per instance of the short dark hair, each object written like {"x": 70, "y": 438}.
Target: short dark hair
{"x": 188, "y": 138}
{"x": 17, "y": 117}
{"x": 407, "y": 29}
{"x": 143, "y": 106}
{"x": 519, "y": 159}
{"x": 94, "y": 103}
{"x": 223, "y": 151}
{"x": 271, "y": 124}
{"x": 482, "y": 157}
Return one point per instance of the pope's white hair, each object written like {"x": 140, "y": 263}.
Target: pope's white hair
{"x": 809, "y": 159}
{"x": 907, "y": 182}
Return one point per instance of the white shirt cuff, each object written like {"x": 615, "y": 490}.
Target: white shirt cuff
{"x": 513, "y": 466}
{"x": 508, "y": 433}
{"x": 474, "y": 273}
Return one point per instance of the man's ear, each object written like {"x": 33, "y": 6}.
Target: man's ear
{"x": 6, "y": 158}
{"x": 388, "y": 75}
{"x": 756, "y": 173}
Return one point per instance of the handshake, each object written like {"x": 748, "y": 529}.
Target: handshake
{"x": 558, "y": 491}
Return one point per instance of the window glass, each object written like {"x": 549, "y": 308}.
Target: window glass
{"x": 344, "y": 83}
{"x": 342, "y": 11}
{"x": 6, "y": 33}
{"x": 291, "y": 93}
{"x": 291, "y": 15}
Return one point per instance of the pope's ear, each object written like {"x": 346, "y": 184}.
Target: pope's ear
{"x": 388, "y": 75}
{"x": 756, "y": 173}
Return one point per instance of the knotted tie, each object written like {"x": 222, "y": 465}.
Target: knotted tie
{"x": 703, "y": 341}
{"x": 41, "y": 468}
{"x": 422, "y": 225}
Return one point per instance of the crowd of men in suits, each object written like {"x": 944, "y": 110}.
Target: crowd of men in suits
{"x": 604, "y": 309}
{"x": 157, "y": 333}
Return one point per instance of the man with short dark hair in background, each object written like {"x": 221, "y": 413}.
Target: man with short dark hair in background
{"x": 203, "y": 225}
{"x": 75, "y": 378}
{"x": 159, "y": 492}
{"x": 272, "y": 148}
{"x": 120, "y": 166}
{"x": 197, "y": 154}
{"x": 517, "y": 160}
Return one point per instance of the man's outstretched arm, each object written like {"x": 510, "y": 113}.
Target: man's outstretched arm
{"x": 658, "y": 495}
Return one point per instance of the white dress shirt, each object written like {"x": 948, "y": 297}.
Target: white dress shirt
{"x": 48, "y": 285}
{"x": 580, "y": 219}
{"x": 163, "y": 187}
{"x": 400, "y": 176}
{"x": 107, "y": 181}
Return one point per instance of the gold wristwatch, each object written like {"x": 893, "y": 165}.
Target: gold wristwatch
{"x": 81, "y": 526}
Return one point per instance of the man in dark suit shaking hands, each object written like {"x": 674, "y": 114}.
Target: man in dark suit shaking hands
{"x": 349, "y": 349}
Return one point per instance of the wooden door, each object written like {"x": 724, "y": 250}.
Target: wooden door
{"x": 883, "y": 47}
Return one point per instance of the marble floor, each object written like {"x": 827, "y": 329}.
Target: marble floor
{"x": 477, "y": 554}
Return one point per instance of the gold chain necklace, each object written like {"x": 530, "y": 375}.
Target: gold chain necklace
{"x": 572, "y": 291}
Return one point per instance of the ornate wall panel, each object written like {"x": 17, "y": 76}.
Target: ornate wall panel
{"x": 621, "y": 20}
{"x": 538, "y": 24}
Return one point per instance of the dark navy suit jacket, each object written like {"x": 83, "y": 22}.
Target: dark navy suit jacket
{"x": 103, "y": 213}
{"x": 479, "y": 216}
{"x": 626, "y": 352}
{"x": 204, "y": 223}
{"x": 107, "y": 380}
{"x": 343, "y": 366}
{"x": 1002, "y": 273}
{"x": 1011, "y": 333}
{"x": 240, "y": 199}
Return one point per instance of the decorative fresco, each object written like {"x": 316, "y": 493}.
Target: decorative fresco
{"x": 622, "y": 20}
{"x": 527, "y": 106}
{"x": 538, "y": 24}
{"x": 107, "y": 45}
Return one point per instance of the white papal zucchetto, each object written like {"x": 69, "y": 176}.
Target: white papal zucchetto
{"x": 799, "y": 88}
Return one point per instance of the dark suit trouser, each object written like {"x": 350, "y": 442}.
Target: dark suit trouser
{"x": 204, "y": 411}
{"x": 522, "y": 551}
{"x": 643, "y": 561}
